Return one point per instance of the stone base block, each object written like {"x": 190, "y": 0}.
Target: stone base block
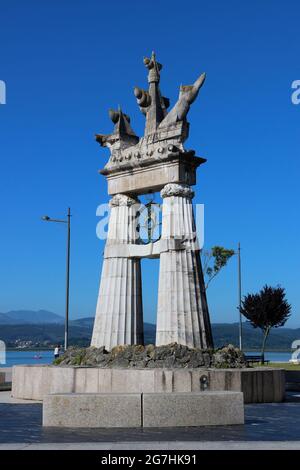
{"x": 259, "y": 385}
{"x": 91, "y": 410}
{"x": 292, "y": 380}
{"x": 5, "y": 379}
{"x": 192, "y": 409}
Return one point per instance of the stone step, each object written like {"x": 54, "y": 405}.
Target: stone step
{"x": 90, "y": 410}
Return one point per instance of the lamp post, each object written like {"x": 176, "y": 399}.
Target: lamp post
{"x": 240, "y": 296}
{"x": 46, "y": 218}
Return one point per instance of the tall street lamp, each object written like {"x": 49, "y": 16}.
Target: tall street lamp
{"x": 67, "y": 221}
{"x": 240, "y": 296}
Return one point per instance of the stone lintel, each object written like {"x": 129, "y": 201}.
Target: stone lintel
{"x": 152, "y": 174}
{"x": 150, "y": 250}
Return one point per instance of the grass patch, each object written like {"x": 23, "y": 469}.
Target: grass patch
{"x": 280, "y": 365}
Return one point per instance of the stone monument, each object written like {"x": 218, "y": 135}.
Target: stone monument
{"x": 150, "y": 390}
{"x": 158, "y": 161}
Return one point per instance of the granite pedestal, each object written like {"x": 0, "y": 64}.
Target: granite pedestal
{"x": 259, "y": 385}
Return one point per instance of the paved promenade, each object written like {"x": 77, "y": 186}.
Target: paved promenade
{"x": 268, "y": 426}
{"x": 163, "y": 446}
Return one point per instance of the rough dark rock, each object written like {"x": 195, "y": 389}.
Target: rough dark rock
{"x": 228, "y": 357}
{"x": 168, "y": 356}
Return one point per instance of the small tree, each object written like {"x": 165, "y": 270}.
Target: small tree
{"x": 266, "y": 310}
{"x": 214, "y": 260}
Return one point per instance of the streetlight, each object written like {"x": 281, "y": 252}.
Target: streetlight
{"x": 238, "y": 253}
{"x": 46, "y": 218}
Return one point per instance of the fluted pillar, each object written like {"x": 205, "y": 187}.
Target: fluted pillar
{"x": 182, "y": 313}
{"x": 119, "y": 313}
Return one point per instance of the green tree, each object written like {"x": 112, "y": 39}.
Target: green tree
{"x": 213, "y": 261}
{"x": 266, "y": 310}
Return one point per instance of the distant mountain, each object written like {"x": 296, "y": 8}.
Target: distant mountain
{"x": 44, "y": 328}
{"x": 4, "y": 319}
{"x": 225, "y": 333}
{"x": 22, "y": 317}
{"x": 149, "y": 333}
{"x": 30, "y": 335}
{"x": 85, "y": 322}
{"x": 42, "y": 335}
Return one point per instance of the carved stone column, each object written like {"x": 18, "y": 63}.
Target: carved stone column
{"x": 119, "y": 313}
{"x": 182, "y": 314}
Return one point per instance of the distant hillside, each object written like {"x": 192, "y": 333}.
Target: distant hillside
{"x": 28, "y": 316}
{"x": 279, "y": 338}
{"x": 43, "y": 328}
{"x": 225, "y": 333}
{"x": 50, "y": 334}
{"x": 31, "y": 335}
{"x": 149, "y": 333}
{"x": 86, "y": 322}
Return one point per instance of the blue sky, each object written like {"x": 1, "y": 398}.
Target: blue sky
{"x": 65, "y": 63}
